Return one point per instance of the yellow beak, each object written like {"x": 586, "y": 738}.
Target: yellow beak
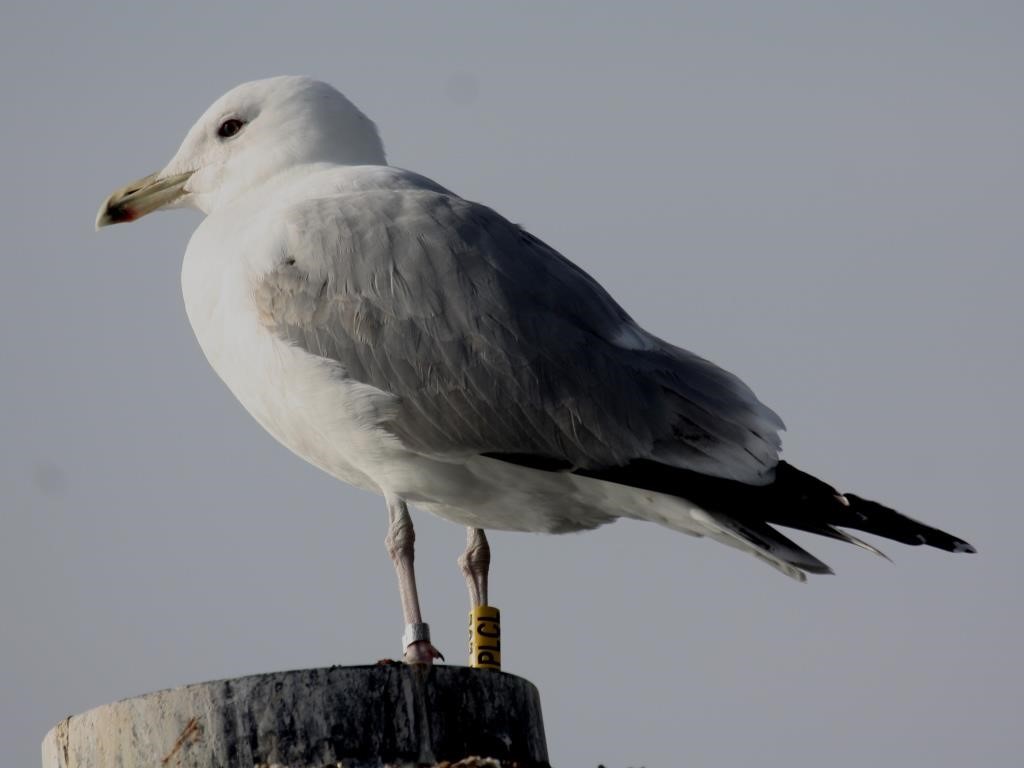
{"x": 146, "y": 195}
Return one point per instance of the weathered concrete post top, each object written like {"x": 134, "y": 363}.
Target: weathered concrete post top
{"x": 356, "y": 717}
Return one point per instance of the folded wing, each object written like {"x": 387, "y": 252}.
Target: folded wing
{"x": 492, "y": 342}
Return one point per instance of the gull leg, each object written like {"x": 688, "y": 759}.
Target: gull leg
{"x": 400, "y": 543}
{"x": 475, "y": 562}
{"x": 484, "y": 620}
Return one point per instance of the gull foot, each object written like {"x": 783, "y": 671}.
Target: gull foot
{"x": 422, "y": 652}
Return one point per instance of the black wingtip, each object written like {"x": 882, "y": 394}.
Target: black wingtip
{"x": 883, "y": 521}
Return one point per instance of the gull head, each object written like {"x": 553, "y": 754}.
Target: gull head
{"x": 249, "y": 135}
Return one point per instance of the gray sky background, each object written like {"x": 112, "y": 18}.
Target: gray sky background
{"x": 824, "y": 198}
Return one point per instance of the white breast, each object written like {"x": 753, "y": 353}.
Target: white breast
{"x": 297, "y": 397}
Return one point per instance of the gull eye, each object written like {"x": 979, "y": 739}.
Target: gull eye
{"x": 229, "y": 128}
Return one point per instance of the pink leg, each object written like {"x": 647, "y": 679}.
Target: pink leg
{"x": 475, "y": 562}
{"x": 400, "y": 543}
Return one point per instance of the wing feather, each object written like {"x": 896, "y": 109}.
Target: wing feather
{"x": 493, "y": 342}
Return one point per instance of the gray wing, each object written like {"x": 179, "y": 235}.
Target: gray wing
{"x": 492, "y": 342}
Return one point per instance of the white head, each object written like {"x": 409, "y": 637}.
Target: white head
{"x": 250, "y": 134}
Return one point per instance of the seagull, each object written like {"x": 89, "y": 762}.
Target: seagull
{"x": 419, "y": 345}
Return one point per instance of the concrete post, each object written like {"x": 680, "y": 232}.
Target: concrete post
{"x": 356, "y": 717}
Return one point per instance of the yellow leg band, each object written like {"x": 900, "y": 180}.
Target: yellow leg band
{"x": 485, "y": 637}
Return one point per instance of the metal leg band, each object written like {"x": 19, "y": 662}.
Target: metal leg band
{"x": 415, "y": 633}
